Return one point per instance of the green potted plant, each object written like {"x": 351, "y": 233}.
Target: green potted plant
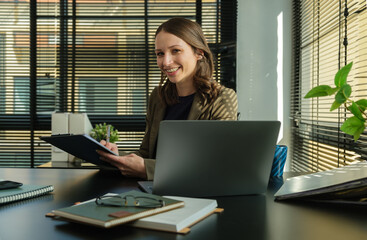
{"x": 356, "y": 124}
{"x": 99, "y": 132}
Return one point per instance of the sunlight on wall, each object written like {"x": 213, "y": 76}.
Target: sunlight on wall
{"x": 280, "y": 112}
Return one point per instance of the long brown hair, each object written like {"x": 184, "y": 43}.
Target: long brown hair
{"x": 191, "y": 32}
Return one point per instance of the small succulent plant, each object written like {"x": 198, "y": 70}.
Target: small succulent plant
{"x": 99, "y": 132}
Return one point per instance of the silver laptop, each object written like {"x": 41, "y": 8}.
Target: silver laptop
{"x": 202, "y": 158}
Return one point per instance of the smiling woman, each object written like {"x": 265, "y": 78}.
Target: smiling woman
{"x": 177, "y": 60}
{"x": 187, "y": 91}
{"x": 188, "y": 35}
{"x": 99, "y": 63}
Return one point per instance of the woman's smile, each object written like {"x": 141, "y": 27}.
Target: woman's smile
{"x": 172, "y": 71}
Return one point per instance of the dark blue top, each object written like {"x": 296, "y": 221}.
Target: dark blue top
{"x": 180, "y": 110}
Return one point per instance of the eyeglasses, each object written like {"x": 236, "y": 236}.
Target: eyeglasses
{"x": 129, "y": 201}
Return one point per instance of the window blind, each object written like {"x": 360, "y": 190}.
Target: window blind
{"x": 326, "y": 39}
{"x": 92, "y": 56}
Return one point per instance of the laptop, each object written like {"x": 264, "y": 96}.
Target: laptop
{"x": 204, "y": 158}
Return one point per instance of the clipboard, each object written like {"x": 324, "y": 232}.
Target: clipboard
{"x": 81, "y": 146}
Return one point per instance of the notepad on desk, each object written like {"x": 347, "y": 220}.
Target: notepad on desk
{"x": 107, "y": 215}
{"x": 23, "y": 192}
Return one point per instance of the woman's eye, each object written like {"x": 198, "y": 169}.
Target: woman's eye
{"x": 158, "y": 54}
{"x": 175, "y": 50}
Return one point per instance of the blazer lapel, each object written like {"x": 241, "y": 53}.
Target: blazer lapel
{"x": 158, "y": 117}
{"x": 196, "y": 109}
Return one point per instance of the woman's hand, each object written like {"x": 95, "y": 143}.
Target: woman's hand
{"x": 111, "y": 146}
{"x": 130, "y": 165}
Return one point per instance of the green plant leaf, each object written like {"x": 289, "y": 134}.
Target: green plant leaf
{"x": 354, "y": 109}
{"x": 358, "y": 134}
{"x": 342, "y": 74}
{"x": 320, "y": 91}
{"x": 353, "y": 126}
{"x": 331, "y": 91}
{"x": 335, "y": 105}
{"x": 343, "y": 94}
{"x": 362, "y": 103}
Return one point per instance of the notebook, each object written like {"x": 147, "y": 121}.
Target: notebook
{"x": 113, "y": 212}
{"x": 23, "y": 192}
{"x": 203, "y": 158}
{"x": 180, "y": 220}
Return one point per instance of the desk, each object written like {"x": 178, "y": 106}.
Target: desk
{"x": 244, "y": 217}
{"x": 75, "y": 164}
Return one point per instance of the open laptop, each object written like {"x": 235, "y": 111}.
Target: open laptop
{"x": 202, "y": 158}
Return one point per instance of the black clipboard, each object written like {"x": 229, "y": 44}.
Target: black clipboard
{"x": 81, "y": 146}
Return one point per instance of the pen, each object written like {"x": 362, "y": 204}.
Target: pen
{"x": 108, "y": 133}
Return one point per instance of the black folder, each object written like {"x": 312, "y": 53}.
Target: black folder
{"x": 81, "y": 146}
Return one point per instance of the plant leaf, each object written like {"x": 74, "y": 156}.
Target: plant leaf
{"x": 362, "y": 103}
{"x": 353, "y": 126}
{"x": 320, "y": 91}
{"x": 331, "y": 91}
{"x": 343, "y": 94}
{"x": 341, "y": 76}
{"x": 347, "y": 90}
{"x": 356, "y": 112}
{"x": 335, "y": 106}
{"x": 358, "y": 133}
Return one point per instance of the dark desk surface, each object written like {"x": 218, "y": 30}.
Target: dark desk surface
{"x": 244, "y": 217}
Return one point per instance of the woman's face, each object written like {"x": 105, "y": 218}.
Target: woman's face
{"x": 175, "y": 58}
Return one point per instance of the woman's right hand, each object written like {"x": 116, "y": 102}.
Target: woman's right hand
{"x": 111, "y": 146}
{"x": 130, "y": 165}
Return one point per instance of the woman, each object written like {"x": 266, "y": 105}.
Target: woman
{"x": 186, "y": 91}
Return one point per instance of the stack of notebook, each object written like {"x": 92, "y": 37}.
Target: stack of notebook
{"x": 173, "y": 214}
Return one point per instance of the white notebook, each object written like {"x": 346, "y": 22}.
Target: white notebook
{"x": 178, "y": 220}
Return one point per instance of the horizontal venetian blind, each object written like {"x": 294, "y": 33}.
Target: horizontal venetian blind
{"x": 15, "y": 134}
{"x": 91, "y": 56}
{"x": 320, "y": 28}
